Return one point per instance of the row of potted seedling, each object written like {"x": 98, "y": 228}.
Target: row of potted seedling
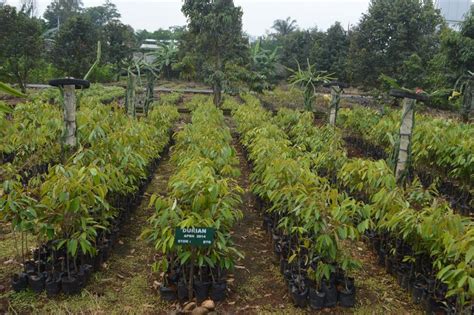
{"x": 203, "y": 193}
{"x": 82, "y": 204}
{"x": 437, "y": 243}
{"x": 307, "y": 219}
{"x": 442, "y": 148}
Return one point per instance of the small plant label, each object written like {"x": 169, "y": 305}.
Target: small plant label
{"x": 194, "y": 236}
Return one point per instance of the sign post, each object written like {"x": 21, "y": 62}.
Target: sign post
{"x": 194, "y": 237}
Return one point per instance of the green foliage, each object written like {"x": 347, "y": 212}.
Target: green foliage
{"x": 377, "y": 46}
{"x": 202, "y": 193}
{"x": 9, "y": 90}
{"x": 443, "y": 146}
{"x": 75, "y": 47}
{"x": 170, "y": 98}
{"x": 310, "y": 212}
{"x": 118, "y": 45}
{"x": 215, "y": 39}
{"x": 284, "y": 27}
{"x": 20, "y": 47}
{"x": 71, "y": 202}
{"x": 60, "y": 11}
{"x": 166, "y": 58}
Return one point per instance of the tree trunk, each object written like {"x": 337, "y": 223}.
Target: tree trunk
{"x": 70, "y": 115}
{"x": 334, "y": 107}
{"x": 406, "y": 131}
{"x": 130, "y": 101}
{"x": 468, "y": 102}
{"x": 149, "y": 91}
{"x": 217, "y": 91}
{"x": 217, "y": 86}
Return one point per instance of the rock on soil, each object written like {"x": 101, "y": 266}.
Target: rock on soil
{"x": 209, "y": 304}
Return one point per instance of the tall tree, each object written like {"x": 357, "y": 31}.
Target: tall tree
{"x": 389, "y": 33}
{"x": 330, "y": 51}
{"x": 296, "y": 47}
{"x": 59, "y": 11}
{"x": 20, "y": 45}
{"x": 119, "y": 42}
{"x": 284, "y": 27}
{"x": 215, "y": 34}
{"x": 75, "y": 47}
{"x": 103, "y": 14}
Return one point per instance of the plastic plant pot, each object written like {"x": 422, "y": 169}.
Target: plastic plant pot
{"x": 36, "y": 282}
{"x": 331, "y": 294}
{"x": 299, "y": 298}
{"x": 70, "y": 285}
{"x": 182, "y": 291}
{"x": 316, "y": 299}
{"x": 218, "y": 291}
{"x": 346, "y": 296}
{"x": 168, "y": 294}
{"x": 19, "y": 282}
{"x": 201, "y": 290}
{"x": 53, "y": 286}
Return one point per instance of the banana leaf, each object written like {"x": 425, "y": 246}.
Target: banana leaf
{"x": 9, "y": 90}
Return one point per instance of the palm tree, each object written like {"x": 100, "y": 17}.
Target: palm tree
{"x": 284, "y": 27}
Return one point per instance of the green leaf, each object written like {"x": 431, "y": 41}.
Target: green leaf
{"x": 74, "y": 205}
{"x": 72, "y": 247}
{"x": 9, "y": 90}
{"x": 470, "y": 255}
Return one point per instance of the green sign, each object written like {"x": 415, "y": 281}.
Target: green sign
{"x": 194, "y": 236}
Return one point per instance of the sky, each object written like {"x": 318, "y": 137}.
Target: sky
{"x": 258, "y": 14}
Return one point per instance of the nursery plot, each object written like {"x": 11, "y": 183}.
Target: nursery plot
{"x": 371, "y": 293}
{"x": 125, "y": 283}
{"x": 442, "y": 148}
{"x": 410, "y": 228}
{"x": 98, "y": 186}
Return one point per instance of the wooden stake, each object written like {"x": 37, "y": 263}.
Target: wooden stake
{"x": 406, "y": 131}
{"x": 334, "y": 108}
{"x": 70, "y": 115}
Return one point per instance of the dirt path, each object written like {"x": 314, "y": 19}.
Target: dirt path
{"x": 125, "y": 286}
